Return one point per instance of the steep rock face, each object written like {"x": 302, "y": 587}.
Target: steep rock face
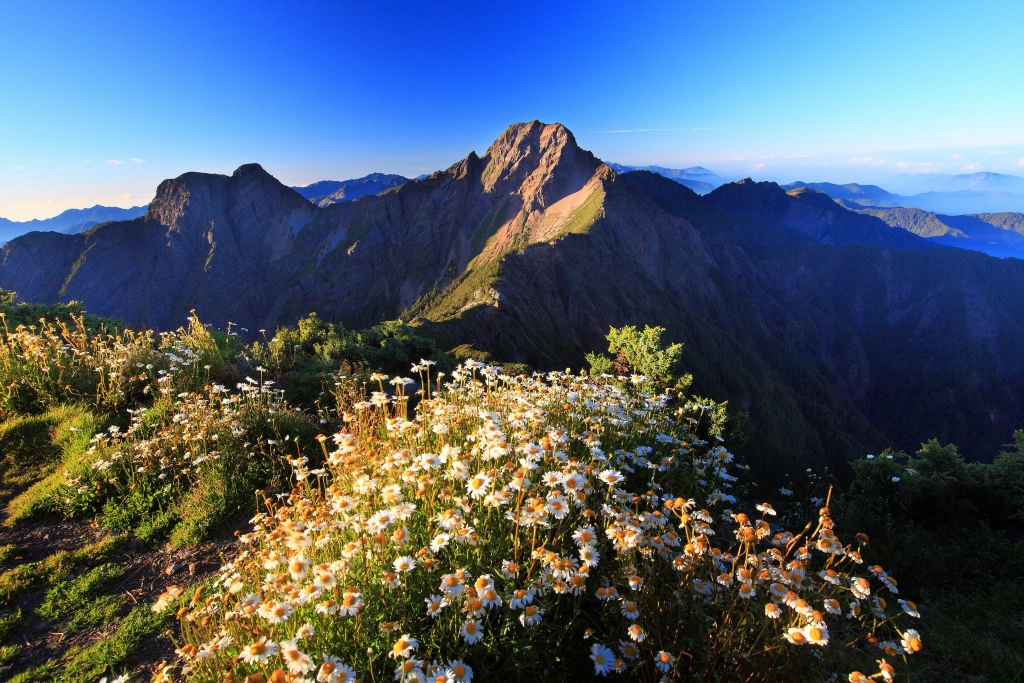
{"x": 207, "y": 242}
{"x": 411, "y": 249}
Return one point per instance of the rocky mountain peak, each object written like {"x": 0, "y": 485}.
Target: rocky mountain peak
{"x": 539, "y": 161}
{"x": 199, "y": 197}
{"x": 249, "y": 170}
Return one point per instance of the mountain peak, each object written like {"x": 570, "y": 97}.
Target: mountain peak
{"x": 249, "y": 169}
{"x": 539, "y": 161}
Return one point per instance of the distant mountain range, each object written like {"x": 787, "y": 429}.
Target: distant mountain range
{"x": 917, "y": 183}
{"x": 836, "y": 331}
{"x": 966, "y": 200}
{"x": 697, "y": 178}
{"x": 70, "y": 221}
{"x": 994, "y": 233}
{"x": 333, "y": 191}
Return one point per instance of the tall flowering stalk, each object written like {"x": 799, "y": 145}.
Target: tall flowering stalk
{"x": 534, "y": 525}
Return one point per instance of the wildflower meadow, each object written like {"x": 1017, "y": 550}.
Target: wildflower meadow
{"x": 459, "y": 522}
{"x": 522, "y": 525}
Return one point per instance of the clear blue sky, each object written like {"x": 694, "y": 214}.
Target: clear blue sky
{"x": 101, "y": 101}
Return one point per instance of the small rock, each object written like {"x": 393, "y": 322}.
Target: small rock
{"x": 191, "y": 567}
{"x": 171, "y": 569}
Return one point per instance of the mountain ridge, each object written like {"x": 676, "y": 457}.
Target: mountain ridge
{"x": 786, "y": 302}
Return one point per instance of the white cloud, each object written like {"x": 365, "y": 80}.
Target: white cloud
{"x": 957, "y": 156}
{"x": 998, "y": 151}
{"x": 968, "y": 168}
{"x": 16, "y": 167}
{"x": 901, "y": 164}
{"x": 114, "y": 162}
{"x": 87, "y": 161}
{"x": 759, "y": 167}
{"x": 870, "y": 160}
{"x": 138, "y": 160}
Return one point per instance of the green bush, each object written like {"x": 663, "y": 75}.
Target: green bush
{"x": 938, "y": 523}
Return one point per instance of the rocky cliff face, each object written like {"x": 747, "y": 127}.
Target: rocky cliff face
{"x": 208, "y": 242}
{"x": 820, "y": 322}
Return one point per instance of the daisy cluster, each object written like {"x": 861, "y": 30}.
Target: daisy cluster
{"x": 559, "y": 515}
{"x": 179, "y": 421}
{"x": 54, "y": 362}
{"x": 165, "y": 458}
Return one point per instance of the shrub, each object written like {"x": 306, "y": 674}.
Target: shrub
{"x": 200, "y": 459}
{"x": 937, "y": 521}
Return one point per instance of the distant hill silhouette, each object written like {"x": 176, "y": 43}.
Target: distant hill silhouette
{"x": 70, "y": 221}
{"x": 332, "y": 191}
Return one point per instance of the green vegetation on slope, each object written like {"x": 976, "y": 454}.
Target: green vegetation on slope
{"x": 922, "y": 223}
{"x": 951, "y": 531}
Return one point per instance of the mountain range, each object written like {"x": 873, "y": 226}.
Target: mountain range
{"x": 837, "y": 332}
{"x": 70, "y": 221}
{"x": 997, "y": 234}
{"x": 333, "y": 191}
{"x": 915, "y": 183}
{"x": 977, "y": 198}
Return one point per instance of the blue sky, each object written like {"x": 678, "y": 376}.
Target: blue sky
{"x": 101, "y": 101}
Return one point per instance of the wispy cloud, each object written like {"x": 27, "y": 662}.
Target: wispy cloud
{"x": 869, "y": 160}
{"x": 87, "y": 161}
{"x": 969, "y": 167}
{"x": 919, "y": 166}
{"x": 16, "y": 167}
{"x": 1021, "y": 162}
{"x": 759, "y": 167}
{"x": 998, "y": 151}
{"x": 649, "y": 130}
{"x": 114, "y": 162}
{"x": 138, "y": 160}
{"x": 956, "y": 156}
